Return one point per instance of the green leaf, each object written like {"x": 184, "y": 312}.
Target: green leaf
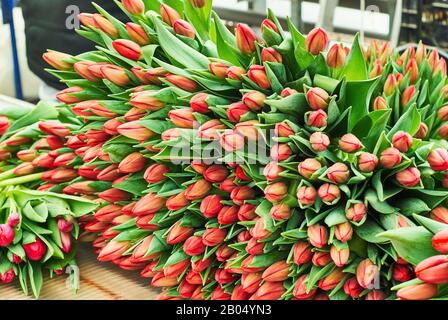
{"x": 430, "y": 224}
{"x": 355, "y": 68}
{"x": 408, "y": 122}
{"x": 357, "y": 95}
{"x": 369, "y": 230}
{"x": 410, "y": 206}
{"x": 412, "y": 244}
{"x": 36, "y": 278}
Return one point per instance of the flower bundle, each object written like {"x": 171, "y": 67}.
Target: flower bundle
{"x": 237, "y": 167}
{"x": 38, "y": 228}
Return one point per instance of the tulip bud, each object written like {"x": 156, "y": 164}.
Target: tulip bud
{"x": 218, "y": 69}
{"x": 183, "y": 28}
{"x": 128, "y": 49}
{"x": 308, "y": 167}
{"x": 169, "y": 15}
{"x": 269, "y": 291}
{"x": 116, "y": 75}
{"x": 210, "y": 206}
{"x": 236, "y": 111}
{"x": 376, "y": 70}
{"x": 54, "y": 128}
{"x": 306, "y": 196}
{"x": 402, "y": 141}
{"x": 288, "y": 92}
{"x": 423, "y": 291}
{"x": 178, "y": 233}
{"x": 443, "y": 131}
{"x": 390, "y": 158}
{"x": 24, "y": 169}
{"x": 367, "y": 274}
{"x": 133, "y": 130}
{"x": 440, "y": 67}
{"x": 156, "y": 173}
{"x": 182, "y": 82}
{"x": 105, "y": 25}
{"x": 275, "y": 192}
{"x": 440, "y": 214}
{"x": 27, "y": 155}
{"x": 407, "y": 95}
{"x": 401, "y": 273}
{"x": 135, "y": 7}
{"x": 251, "y": 282}
{"x": 137, "y": 33}
{"x": 271, "y": 55}
{"x": 268, "y": 24}
{"x": 367, "y": 162}
{"x": 301, "y": 253}
{"x": 209, "y": 130}
{"x": 390, "y": 85}
{"x": 272, "y": 171}
{"x": 7, "y": 277}
{"x": 199, "y": 103}
{"x": 258, "y": 75}
{"x": 409, "y": 177}
{"x": 352, "y": 288}
{"x": 339, "y": 257}
{"x": 338, "y": 173}
{"x": 148, "y": 204}
{"x": 356, "y": 212}
{"x": 380, "y": 104}
{"x": 227, "y": 185}
{"x": 245, "y": 38}
{"x": 329, "y": 193}
{"x": 319, "y": 141}
{"x": 259, "y": 232}
{"x": 58, "y": 60}
{"x": 145, "y": 100}
{"x": 317, "y": 235}
{"x": 433, "y": 270}
{"x": 321, "y": 259}
{"x": 336, "y": 56}
{"x": 281, "y": 152}
{"x": 36, "y": 250}
{"x": 7, "y": 235}
{"x": 280, "y": 212}
{"x": 228, "y": 215}
{"x": 231, "y": 141}
{"x": 134, "y": 162}
{"x": 214, "y": 236}
{"x": 332, "y": 280}
{"x": 316, "y": 40}
{"x": 343, "y": 231}
{"x": 177, "y": 202}
{"x": 438, "y": 159}
{"x": 300, "y": 290}
{"x": 349, "y": 143}
{"x": 278, "y": 271}
{"x": 412, "y": 69}
{"x": 160, "y": 280}
{"x": 317, "y": 119}
{"x": 198, "y": 190}
{"x": 254, "y": 100}
{"x": 193, "y": 246}
{"x": 317, "y": 98}
{"x": 4, "y": 124}
{"x": 440, "y": 241}
{"x": 235, "y": 73}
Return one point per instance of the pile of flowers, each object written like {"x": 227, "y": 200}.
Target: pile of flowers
{"x": 37, "y": 227}
{"x": 238, "y": 166}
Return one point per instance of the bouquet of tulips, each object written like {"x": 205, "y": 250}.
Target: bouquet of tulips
{"x": 239, "y": 166}
{"x": 37, "y": 228}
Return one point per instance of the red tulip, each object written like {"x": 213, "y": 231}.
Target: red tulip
{"x": 329, "y": 193}
{"x": 258, "y": 75}
{"x": 184, "y": 28}
{"x": 169, "y": 15}
{"x": 319, "y": 141}
{"x": 302, "y": 253}
{"x": 390, "y": 158}
{"x": 317, "y": 98}
{"x": 58, "y": 60}
{"x": 423, "y": 291}
{"x": 409, "y": 177}
{"x": 245, "y": 38}
{"x": 402, "y": 141}
{"x": 7, "y": 235}
{"x": 36, "y": 250}
{"x": 336, "y": 56}
{"x": 317, "y": 235}
{"x": 367, "y": 274}
{"x": 214, "y": 236}
{"x": 438, "y": 159}
{"x": 367, "y": 162}
{"x": 128, "y": 49}
{"x": 306, "y": 195}
{"x": 433, "y": 270}
{"x": 338, "y": 173}
{"x": 440, "y": 241}
{"x": 316, "y": 40}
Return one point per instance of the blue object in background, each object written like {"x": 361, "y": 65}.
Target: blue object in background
{"x": 7, "y": 7}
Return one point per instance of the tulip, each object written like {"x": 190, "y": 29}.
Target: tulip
{"x": 145, "y": 100}
{"x": 401, "y": 273}
{"x": 236, "y": 111}
{"x": 317, "y": 119}
{"x": 442, "y": 113}
{"x": 375, "y": 295}
{"x": 352, "y": 288}
{"x": 24, "y": 169}
{"x": 116, "y": 75}
{"x": 317, "y": 235}
{"x": 349, "y": 143}
{"x": 148, "y": 204}
{"x": 235, "y": 73}
{"x": 182, "y": 82}
{"x": 316, "y": 40}
{"x": 306, "y": 195}
{"x": 197, "y": 190}
{"x": 251, "y": 282}
{"x": 343, "y": 231}
{"x": 302, "y": 253}
{"x": 329, "y": 193}
{"x": 146, "y": 222}
{"x": 412, "y": 69}
{"x": 278, "y": 271}
{"x": 440, "y": 241}
{"x": 433, "y": 270}
{"x": 239, "y": 294}
{"x": 259, "y": 232}
{"x": 248, "y": 129}
{"x": 211, "y": 205}
{"x": 258, "y": 75}
{"x": 288, "y": 92}
{"x": 308, "y": 167}
{"x": 407, "y": 95}
{"x": 336, "y": 56}
{"x": 268, "y": 24}
{"x": 332, "y": 280}
{"x": 280, "y": 212}
{"x": 7, "y": 235}
{"x": 438, "y": 159}
{"x": 275, "y": 192}
{"x": 223, "y": 276}
{"x": 242, "y": 193}
{"x": 16, "y": 259}
{"x": 214, "y": 236}
{"x": 178, "y": 233}
{"x": 183, "y": 28}
{"x": 169, "y": 15}
{"x": 209, "y": 130}
{"x": 367, "y": 162}
{"x": 367, "y": 274}
{"x": 108, "y": 213}
{"x": 319, "y": 141}
{"x": 137, "y": 33}
{"x": 300, "y": 292}
{"x": 193, "y": 246}
{"x": 423, "y": 291}
{"x": 269, "y": 291}
{"x": 443, "y": 131}
{"x": 440, "y": 67}
{"x": 58, "y": 60}
{"x": 55, "y": 128}
{"x": 160, "y": 280}
{"x": 321, "y": 259}
{"x": 390, "y": 158}
{"x": 13, "y": 219}
{"x": 228, "y": 215}
{"x": 380, "y": 104}
{"x": 36, "y": 250}
{"x": 7, "y": 277}
{"x": 338, "y": 173}
{"x": 83, "y": 69}
{"x": 231, "y": 141}
{"x": 317, "y": 98}
{"x": 245, "y": 38}
{"x": 409, "y": 177}
{"x": 105, "y": 25}
{"x": 402, "y": 141}
{"x": 339, "y": 257}
{"x": 133, "y": 130}
{"x": 376, "y": 70}
{"x": 176, "y": 269}
{"x": 135, "y": 7}
{"x": 156, "y": 173}
{"x": 227, "y": 185}
{"x": 133, "y": 162}
{"x": 254, "y": 100}
{"x": 114, "y": 195}
{"x": 271, "y": 55}
{"x": 199, "y": 103}
{"x": 27, "y": 155}
{"x": 177, "y": 202}
{"x": 128, "y": 49}
{"x": 399, "y": 78}
{"x": 254, "y": 247}
{"x": 281, "y": 152}
{"x": 272, "y": 171}
{"x": 283, "y": 130}
{"x": 218, "y": 69}
{"x": 390, "y": 85}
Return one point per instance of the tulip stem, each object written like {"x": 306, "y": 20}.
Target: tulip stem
{"x": 21, "y": 180}
{"x": 7, "y": 174}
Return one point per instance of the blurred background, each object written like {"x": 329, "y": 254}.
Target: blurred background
{"x": 398, "y": 21}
